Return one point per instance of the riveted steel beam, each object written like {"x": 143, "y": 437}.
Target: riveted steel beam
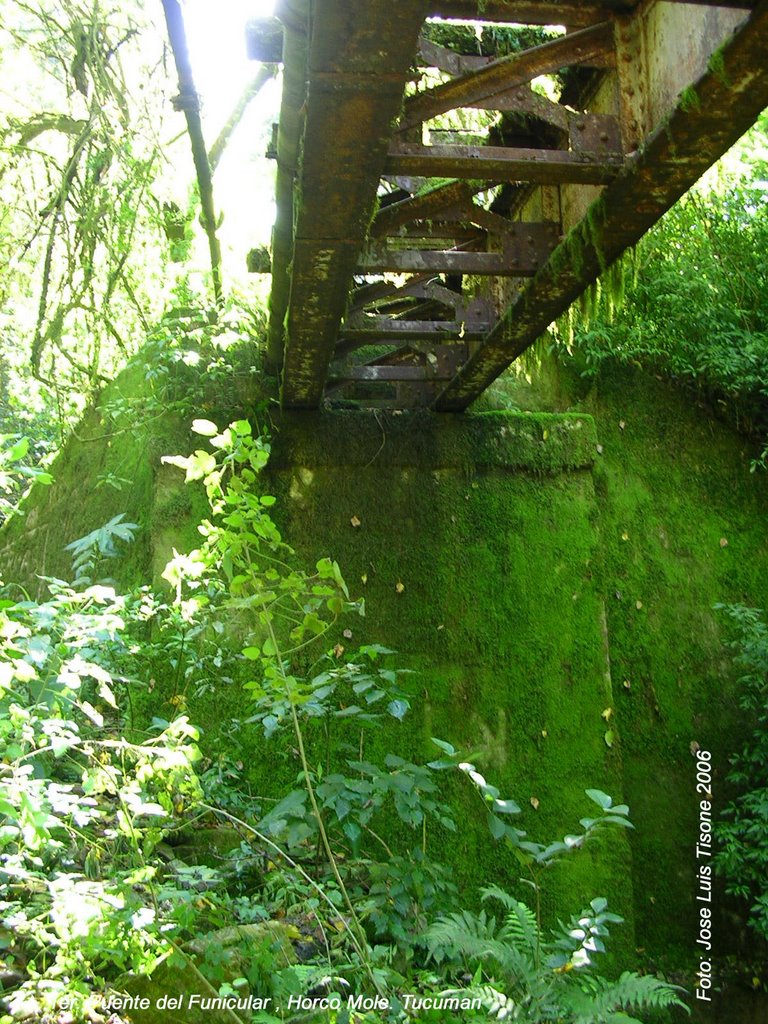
{"x": 499, "y": 163}
{"x": 728, "y": 99}
{"x": 508, "y": 72}
{"x": 358, "y": 62}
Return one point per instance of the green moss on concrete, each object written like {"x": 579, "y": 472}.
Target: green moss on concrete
{"x": 544, "y": 560}
{"x": 534, "y": 442}
{"x": 113, "y": 464}
{"x": 104, "y": 448}
{"x": 489, "y": 523}
{"x": 683, "y": 527}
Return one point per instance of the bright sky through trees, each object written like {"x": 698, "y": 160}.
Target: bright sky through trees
{"x": 244, "y": 182}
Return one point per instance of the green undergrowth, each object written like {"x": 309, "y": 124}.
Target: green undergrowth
{"x": 462, "y": 569}
{"x": 549, "y": 578}
{"x": 111, "y": 464}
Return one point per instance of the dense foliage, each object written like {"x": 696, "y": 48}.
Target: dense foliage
{"x": 125, "y": 852}
{"x": 743, "y": 835}
{"x": 81, "y": 158}
{"x": 100, "y": 229}
{"x": 691, "y": 303}
{"x": 96, "y": 809}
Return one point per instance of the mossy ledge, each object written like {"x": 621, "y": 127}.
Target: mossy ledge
{"x": 540, "y": 442}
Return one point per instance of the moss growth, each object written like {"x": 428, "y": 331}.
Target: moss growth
{"x": 716, "y": 65}
{"x": 682, "y": 528}
{"x": 539, "y": 574}
{"x": 489, "y": 523}
{"x": 82, "y": 500}
{"x": 540, "y": 443}
{"x": 588, "y": 303}
{"x": 689, "y": 100}
{"x": 595, "y": 228}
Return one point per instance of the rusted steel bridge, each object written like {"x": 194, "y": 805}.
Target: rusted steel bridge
{"x": 440, "y": 203}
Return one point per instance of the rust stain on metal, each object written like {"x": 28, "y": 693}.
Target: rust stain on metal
{"x": 602, "y": 165}
{"x": 677, "y": 153}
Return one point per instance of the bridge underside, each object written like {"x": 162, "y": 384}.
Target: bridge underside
{"x": 445, "y": 191}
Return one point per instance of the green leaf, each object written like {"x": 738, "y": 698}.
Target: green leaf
{"x": 506, "y": 807}
{"x": 199, "y": 465}
{"x": 611, "y": 820}
{"x": 205, "y": 427}
{"x": 252, "y": 653}
{"x": 88, "y": 709}
{"x": 552, "y": 851}
{"x": 353, "y": 709}
{"x": 609, "y": 737}
{"x": 573, "y": 842}
{"x": 354, "y": 834}
{"x": 175, "y": 460}
{"x": 60, "y": 744}
{"x": 601, "y": 799}
{"x": 497, "y": 826}
{"x": 398, "y": 708}
{"x": 222, "y": 441}
{"x": 18, "y": 450}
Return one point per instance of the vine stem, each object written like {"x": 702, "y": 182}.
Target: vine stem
{"x": 201, "y": 977}
{"x": 189, "y": 102}
{"x": 292, "y": 864}
{"x": 363, "y": 942}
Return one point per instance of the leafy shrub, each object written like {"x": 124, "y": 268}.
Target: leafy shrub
{"x": 691, "y": 304}
{"x": 309, "y": 893}
{"x": 98, "y": 546}
{"x": 518, "y": 974}
{"x": 743, "y": 834}
{"x": 15, "y": 473}
{"x": 83, "y": 809}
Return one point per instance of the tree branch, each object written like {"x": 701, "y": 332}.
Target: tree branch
{"x": 189, "y": 102}
{"x": 253, "y": 88}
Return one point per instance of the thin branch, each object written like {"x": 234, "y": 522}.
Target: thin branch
{"x": 189, "y": 102}
{"x": 254, "y": 87}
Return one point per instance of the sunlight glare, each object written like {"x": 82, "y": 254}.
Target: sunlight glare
{"x": 244, "y": 181}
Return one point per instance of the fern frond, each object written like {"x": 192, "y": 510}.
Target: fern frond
{"x": 465, "y": 935}
{"x": 520, "y": 922}
{"x": 449, "y": 935}
{"x": 497, "y": 1004}
{"x": 604, "y": 1000}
